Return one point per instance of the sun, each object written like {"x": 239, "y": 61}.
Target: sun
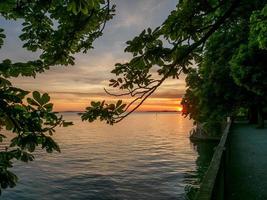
{"x": 179, "y": 108}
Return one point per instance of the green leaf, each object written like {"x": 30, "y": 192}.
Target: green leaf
{"x": 65, "y": 124}
{"x": 45, "y": 98}
{"x": 1, "y": 137}
{"x": 37, "y": 96}
{"x": 118, "y": 103}
{"x": 49, "y": 107}
{"x": 32, "y": 102}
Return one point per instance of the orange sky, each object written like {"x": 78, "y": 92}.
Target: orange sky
{"x": 66, "y": 103}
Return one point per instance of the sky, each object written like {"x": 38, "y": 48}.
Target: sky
{"x": 73, "y": 88}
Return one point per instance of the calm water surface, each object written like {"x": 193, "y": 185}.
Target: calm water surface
{"x": 146, "y": 157}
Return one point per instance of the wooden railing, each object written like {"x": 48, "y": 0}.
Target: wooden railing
{"x": 213, "y": 183}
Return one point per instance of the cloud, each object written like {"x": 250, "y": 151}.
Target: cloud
{"x": 142, "y": 14}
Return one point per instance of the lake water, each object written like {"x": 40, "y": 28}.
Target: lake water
{"x": 146, "y": 157}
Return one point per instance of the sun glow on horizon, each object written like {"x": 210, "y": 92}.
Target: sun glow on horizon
{"x": 179, "y": 108}
{"x": 67, "y": 102}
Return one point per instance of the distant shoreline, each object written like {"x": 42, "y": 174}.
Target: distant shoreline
{"x": 163, "y": 111}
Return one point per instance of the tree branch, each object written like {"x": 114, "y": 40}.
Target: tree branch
{"x": 189, "y": 50}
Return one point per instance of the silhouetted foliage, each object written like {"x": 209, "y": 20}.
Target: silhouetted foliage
{"x": 212, "y": 94}
{"x": 248, "y": 64}
{"x": 56, "y": 30}
{"x": 207, "y": 33}
{"x": 232, "y": 75}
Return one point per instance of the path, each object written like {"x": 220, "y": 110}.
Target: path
{"x": 247, "y": 163}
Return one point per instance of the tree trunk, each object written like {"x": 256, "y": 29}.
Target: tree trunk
{"x": 260, "y": 117}
{"x": 253, "y": 115}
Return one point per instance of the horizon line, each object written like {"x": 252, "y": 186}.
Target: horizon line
{"x": 135, "y": 111}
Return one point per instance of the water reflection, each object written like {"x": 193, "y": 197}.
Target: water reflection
{"x": 148, "y": 156}
{"x": 205, "y": 150}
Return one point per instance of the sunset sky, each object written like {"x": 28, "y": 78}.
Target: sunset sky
{"x": 72, "y": 88}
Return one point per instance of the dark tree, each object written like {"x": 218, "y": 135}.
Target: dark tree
{"x": 249, "y": 63}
